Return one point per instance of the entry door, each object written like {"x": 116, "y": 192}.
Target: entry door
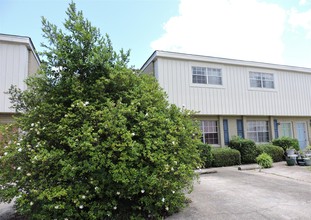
{"x": 301, "y": 134}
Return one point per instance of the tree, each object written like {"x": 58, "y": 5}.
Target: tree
{"x": 96, "y": 140}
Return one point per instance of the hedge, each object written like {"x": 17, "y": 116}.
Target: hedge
{"x": 286, "y": 142}
{"x": 205, "y": 154}
{"x": 247, "y": 149}
{"x": 276, "y": 152}
{"x": 225, "y": 157}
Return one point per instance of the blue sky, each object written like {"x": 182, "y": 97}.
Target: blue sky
{"x": 273, "y": 31}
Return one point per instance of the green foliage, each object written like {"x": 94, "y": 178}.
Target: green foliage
{"x": 276, "y": 152}
{"x": 225, "y": 157}
{"x": 264, "y": 160}
{"x": 247, "y": 149}
{"x": 205, "y": 154}
{"x": 97, "y": 141}
{"x": 286, "y": 143}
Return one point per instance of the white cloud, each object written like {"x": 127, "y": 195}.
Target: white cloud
{"x": 301, "y": 20}
{"x": 302, "y": 2}
{"x": 240, "y": 29}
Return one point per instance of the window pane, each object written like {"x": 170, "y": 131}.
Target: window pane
{"x": 258, "y": 131}
{"x": 210, "y": 132}
{"x": 214, "y": 76}
{"x": 261, "y": 80}
{"x": 215, "y": 80}
{"x": 199, "y": 75}
{"x": 285, "y": 129}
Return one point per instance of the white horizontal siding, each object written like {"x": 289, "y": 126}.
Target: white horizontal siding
{"x": 292, "y": 96}
{"x": 13, "y": 71}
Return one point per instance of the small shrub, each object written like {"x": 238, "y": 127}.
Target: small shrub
{"x": 286, "y": 142}
{"x": 276, "y": 152}
{"x": 225, "y": 157}
{"x": 247, "y": 149}
{"x": 205, "y": 154}
{"x": 264, "y": 160}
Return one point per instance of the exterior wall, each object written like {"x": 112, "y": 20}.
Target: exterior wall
{"x": 235, "y": 97}
{"x": 6, "y": 118}
{"x": 33, "y": 65}
{"x": 232, "y": 125}
{"x": 235, "y": 100}
{"x": 13, "y": 70}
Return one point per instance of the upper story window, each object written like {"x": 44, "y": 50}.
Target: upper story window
{"x": 204, "y": 75}
{"x": 261, "y": 80}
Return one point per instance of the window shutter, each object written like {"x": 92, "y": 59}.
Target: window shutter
{"x": 276, "y": 129}
{"x": 239, "y": 125}
{"x": 226, "y": 131}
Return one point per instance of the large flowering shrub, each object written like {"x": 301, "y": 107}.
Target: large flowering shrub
{"x": 95, "y": 140}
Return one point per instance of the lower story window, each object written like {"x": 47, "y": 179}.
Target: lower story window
{"x": 285, "y": 129}
{"x": 209, "y": 132}
{"x": 258, "y": 131}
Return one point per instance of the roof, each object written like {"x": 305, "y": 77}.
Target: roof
{"x": 183, "y": 56}
{"x": 21, "y": 40}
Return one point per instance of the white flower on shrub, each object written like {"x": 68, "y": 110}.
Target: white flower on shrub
{"x": 56, "y": 207}
{"x": 83, "y": 197}
{"x": 18, "y": 144}
{"x": 133, "y": 134}
{"x": 166, "y": 208}
{"x": 18, "y": 168}
{"x": 5, "y": 153}
{"x": 81, "y": 206}
{"x": 28, "y": 174}
{"x": 19, "y": 149}
{"x": 86, "y": 103}
{"x": 173, "y": 192}
{"x": 163, "y": 199}
{"x": 32, "y": 124}
{"x": 118, "y": 193}
{"x": 173, "y": 142}
{"x": 115, "y": 207}
{"x": 31, "y": 203}
{"x": 142, "y": 191}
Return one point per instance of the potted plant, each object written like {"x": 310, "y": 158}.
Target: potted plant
{"x": 291, "y": 160}
{"x": 290, "y": 151}
{"x": 307, "y": 161}
{"x": 308, "y": 151}
{"x": 300, "y": 158}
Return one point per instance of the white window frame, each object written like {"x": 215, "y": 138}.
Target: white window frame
{"x": 260, "y": 127}
{"x": 210, "y": 127}
{"x": 261, "y": 79}
{"x": 210, "y": 74}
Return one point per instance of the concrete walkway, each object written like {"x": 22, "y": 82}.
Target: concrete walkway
{"x": 281, "y": 192}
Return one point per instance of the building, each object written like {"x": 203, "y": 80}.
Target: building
{"x": 18, "y": 60}
{"x": 254, "y": 100}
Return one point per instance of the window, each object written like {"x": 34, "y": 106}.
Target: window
{"x": 285, "y": 129}
{"x": 258, "y": 131}
{"x": 261, "y": 80}
{"x": 210, "y": 132}
{"x": 199, "y": 75}
{"x": 204, "y": 75}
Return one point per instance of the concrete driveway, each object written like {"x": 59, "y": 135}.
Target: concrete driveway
{"x": 280, "y": 192}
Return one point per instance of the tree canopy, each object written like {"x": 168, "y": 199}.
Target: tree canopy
{"x": 96, "y": 140}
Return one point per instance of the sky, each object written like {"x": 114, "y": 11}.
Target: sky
{"x": 272, "y": 31}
